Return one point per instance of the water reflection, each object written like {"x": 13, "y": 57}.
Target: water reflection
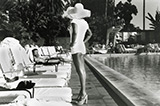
{"x": 143, "y": 69}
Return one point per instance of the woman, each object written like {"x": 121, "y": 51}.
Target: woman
{"x": 79, "y": 35}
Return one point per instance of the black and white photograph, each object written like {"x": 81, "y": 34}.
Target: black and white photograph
{"x": 79, "y": 52}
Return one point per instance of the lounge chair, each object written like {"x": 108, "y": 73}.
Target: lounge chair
{"x": 37, "y": 102}
{"x": 42, "y": 83}
{"x": 54, "y": 94}
{"x": 127, "y": 50}
{"x": 156, "y": 47}
{"x": 57, "y": 96}
{"x": 98, "y": 50}
{"x": 53, "y": 51}
{"x": 11, "y": 72}
{"x": 47, "y": 59}
{"x": 20, "y": 57}
{"x": 49, "y": 51}
{"x": 9, "y": 97}
{"x": 7, "y": 94}
{"x": 47, "y": 86}
{"x": 46, "y": 96}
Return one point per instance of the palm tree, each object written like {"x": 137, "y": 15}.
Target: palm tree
{"x": 155, "y": 24}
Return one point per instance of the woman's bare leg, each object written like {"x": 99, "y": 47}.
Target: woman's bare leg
{"x": 78, "y": 60}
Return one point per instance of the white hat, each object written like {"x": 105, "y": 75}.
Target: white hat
{"x": 77, "y": 12}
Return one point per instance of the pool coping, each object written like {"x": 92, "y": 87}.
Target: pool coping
{"x": 123, "y": 90}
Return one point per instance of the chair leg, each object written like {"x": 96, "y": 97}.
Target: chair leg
{"x": 34, "y": 68}
{"x": 56, "y": 67}
{"x": 33, "y": 92}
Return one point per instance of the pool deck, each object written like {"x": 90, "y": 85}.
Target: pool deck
{"x": 98, "y": 96}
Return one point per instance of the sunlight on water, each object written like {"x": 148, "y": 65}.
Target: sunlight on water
{"x": 143, "y": 69}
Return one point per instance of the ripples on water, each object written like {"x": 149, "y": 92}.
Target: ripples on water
{"x": 143, "y": 69}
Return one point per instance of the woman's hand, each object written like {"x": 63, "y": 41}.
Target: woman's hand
{"x": 71, "y": 45}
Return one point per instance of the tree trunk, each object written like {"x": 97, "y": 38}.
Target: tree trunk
{"x": 106, "y": 9}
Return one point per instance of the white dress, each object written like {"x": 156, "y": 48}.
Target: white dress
{"x": 79, "y": 46}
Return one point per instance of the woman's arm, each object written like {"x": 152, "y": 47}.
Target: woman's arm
{"x": 88, "y": 35}
{"x": 74, "y": 34}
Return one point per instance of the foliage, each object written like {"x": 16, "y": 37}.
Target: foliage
{"x": 125, "y": 11}
{"x": 6, "y": 5}
{"x": 41, "y": 18}
{"x": 110, "y": 8}
{"x": 97, "y": 7}
{"x": 12, "y": 29}
{"x": 6, "y": 28}
{"x": 155, "y": 24}
{"x": 98, "y": 25}
{"x": 3, "y": 20}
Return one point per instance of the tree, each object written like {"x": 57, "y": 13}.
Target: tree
{"x": 41, "y": 18}
{"x": 109, "y": 8}
{"x": 125, "y": 11}
{"x": 155, "y": 24}
{"x": 6, "y": 5}
{"x": 7, "y": 28}
{"x": 102, "y": 19}
{"x": 98, "y": 25}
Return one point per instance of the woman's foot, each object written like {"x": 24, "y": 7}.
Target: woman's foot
{"x": 79, "y": 95}
{"x": 82, "y": 100}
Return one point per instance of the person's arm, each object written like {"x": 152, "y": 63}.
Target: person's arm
{"x": 88, "y": 35}
{"x": 74, "y": 34}
{"x": 39, "y": 59}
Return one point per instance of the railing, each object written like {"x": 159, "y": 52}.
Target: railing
{"x": 123, "y": 90}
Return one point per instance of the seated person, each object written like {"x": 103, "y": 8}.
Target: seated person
{"x": 37, "y": 58}
{"x": 44, "y": 60}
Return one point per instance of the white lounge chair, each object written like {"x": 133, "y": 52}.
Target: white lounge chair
{"x": 127, "y": 50}
{"x": 20, "y": 57}
{"x": 8, "y": 95}
{"x": 44, "y": 84}
{"x": 11, "y": 72}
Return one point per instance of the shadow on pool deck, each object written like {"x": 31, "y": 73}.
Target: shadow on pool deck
{"x": 98, "y": 96}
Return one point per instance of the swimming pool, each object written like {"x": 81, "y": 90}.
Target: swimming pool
{"x": 143, "y": 69}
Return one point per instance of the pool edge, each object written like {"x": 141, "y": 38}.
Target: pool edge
{"x": 124, "y": 91}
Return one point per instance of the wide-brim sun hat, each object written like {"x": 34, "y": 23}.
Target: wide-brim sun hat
{"x": 77, "y": 12}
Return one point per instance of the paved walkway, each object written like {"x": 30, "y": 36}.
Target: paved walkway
{"x": 98, "y": 96}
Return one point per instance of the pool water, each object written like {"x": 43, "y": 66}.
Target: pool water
{"x": 143, "y": 69}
